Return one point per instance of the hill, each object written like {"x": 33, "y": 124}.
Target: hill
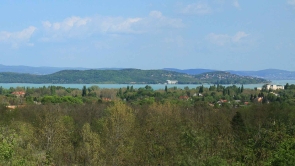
{"x": 221, "y": 77}
{"x": 270, "y": 74}
{"x": 190, "y": 71}
{"x": 127, "y": 76}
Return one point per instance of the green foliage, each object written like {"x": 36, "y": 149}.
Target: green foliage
{"x": 84, "y": 91}
{"x": 147, "y": 127}
{"x": 285, "y": 154}
{"x": 64, "y": 99}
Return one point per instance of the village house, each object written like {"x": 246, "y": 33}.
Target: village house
{"x": 183, "y": 97}
{"x": 19, "y": 93}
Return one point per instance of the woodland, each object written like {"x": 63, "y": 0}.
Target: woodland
{"x": 218, "y": 125}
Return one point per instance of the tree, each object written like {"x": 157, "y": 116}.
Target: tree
{"x": 287, "y": 86}
{"x": 52, "y": 90}
{"x": 201, "y": 90}
{"x": 166, "y": 88}
{"x": 238, "y": 125}
{"x": 84, "y": 91}
{"x": 224, "y": 92}
{"x": 242, "y": 89}
{"x": 90, "y": 151}
{"x": 285, "y": 155}
{"x": 118, "y": 128}
{"x": 131, "y": 88}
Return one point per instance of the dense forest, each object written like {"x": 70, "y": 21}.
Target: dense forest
{"x": 199, "y": 126}
{"x": 127, "y": 76}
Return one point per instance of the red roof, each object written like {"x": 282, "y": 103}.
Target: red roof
{"x": 18, "y": 93}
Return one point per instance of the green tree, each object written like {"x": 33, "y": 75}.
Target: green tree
{"x": 238, "y": 125}
{"x": 285, "y": 155}
{"x": 90, "y": 152}
{"x": 118, "y": 128}
{"x": 201, "y": 90}
{"x": 287, "y": 86}
{"x": 84, "y": 91}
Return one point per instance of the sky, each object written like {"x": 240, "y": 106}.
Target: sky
{"x": 151, "y": 34}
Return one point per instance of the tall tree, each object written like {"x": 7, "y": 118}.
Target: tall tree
{"x": 118, "y": 128}
{"x": 201, "y": 90}
{"x": 84, "y": 91}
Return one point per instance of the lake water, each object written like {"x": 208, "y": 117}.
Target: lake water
{"x": 136, "y": 86}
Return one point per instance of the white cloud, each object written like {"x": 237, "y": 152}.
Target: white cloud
{"x": 156, "y": 19}
{"x": 46, "y": 24}
{"x": 239, "y": 35}
{"x": 291, "y": 2}
{"x": 67, "y": 24}
{"x": 236, "y": 4}
{"x": 225, "y": 39}
{"x": 18, "y": 38}
{"x": 81, "y": 27}
{"x": 219, "y": 39}
{"x": 115, "y": 24}
{"x": 196, "y": 8}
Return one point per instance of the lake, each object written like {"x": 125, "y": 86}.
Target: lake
{"x": 136, "y": 86}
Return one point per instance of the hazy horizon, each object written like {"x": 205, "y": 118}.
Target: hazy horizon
{"x": 137, "y": 68}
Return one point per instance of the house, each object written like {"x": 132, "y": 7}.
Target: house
{"x": 274, "y": 87}
{"x": 106, "y": 99}
{"x": 183, "y": 97}
{"x": 19, "y": 93}
{"x": 172, "y": 81}
{"x": 258, "y": 100}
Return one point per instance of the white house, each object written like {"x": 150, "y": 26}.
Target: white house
{"x": 172, "y": 81}
{"x": 274, "y": 87}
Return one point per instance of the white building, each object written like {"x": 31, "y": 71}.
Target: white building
{"x": 274, "y": 87}
{"x": 172, "y": 81}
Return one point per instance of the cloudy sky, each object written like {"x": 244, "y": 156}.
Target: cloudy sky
{"x": 152, "y": 34}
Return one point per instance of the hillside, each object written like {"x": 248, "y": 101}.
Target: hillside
{"x": 221, "y": 77}
{"x": 127, "y": 76}
{"x": 190, "y": 71}
{"x": 270, "y": 74}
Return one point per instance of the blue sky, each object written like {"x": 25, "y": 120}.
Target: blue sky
{"x": 212, "y": 34}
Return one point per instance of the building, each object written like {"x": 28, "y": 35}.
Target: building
{"x": 274, "y": 87}
{"x": 172, "y": 81}
{"x": 19, "y": 93}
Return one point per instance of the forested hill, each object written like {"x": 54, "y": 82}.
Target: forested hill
{"x": 127, "y": 76}
{"x": 221, "y": 77}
